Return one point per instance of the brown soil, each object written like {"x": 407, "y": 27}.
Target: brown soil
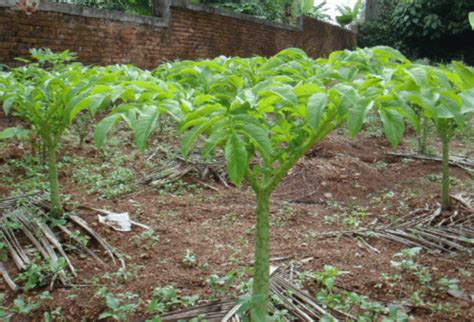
{"x": 218, "y": 228}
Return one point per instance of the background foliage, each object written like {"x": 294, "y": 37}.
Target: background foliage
{"x": 433, "y": 29}
{"x": 141, "y": 7}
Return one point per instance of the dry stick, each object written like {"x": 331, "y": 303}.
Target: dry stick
{"x": 204, "y": 184}
{"x": 280, "y": 280}
{"x": 71, "y": 235}
{"x": 450, "y": 219}
{"x": 8, "y": 278}
{"x": 294, "y": 309}
{"x": 216, "y": 307}
{"x": 464, "y": 200}
{"x": 297, "y": 294}
{"x": 397, "y": 239}
{"x": 108, "y": 248}
{"x": 441, "y": 240}
{"x": 19, "y": 260}
{"x": 16, "y": 244}
{"x": 440, "y": 232}
{"x": 232, "y": 313}
{"x": 26, "y": 230}
{"x": 425, "y": 243}
{"x": 460, "y": 230}
{"x": 6, "y": 203}
{"x": 351, "y": 232}
{"x": 463, "y": 163}
{"x": 55, "y": 242}
{"x": 372, "y": 248}
{"x": 52, "y": 256}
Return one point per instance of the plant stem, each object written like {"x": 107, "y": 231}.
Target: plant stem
{"x": 261, "y": 282}
{"x": 445, "y": 181}
{"x": 423, "y": 136}
{"x": 56, "y": 209}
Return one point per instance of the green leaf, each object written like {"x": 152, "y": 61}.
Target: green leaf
{"x": 467, "y": 73}
{"x": 96, "y": 102}
{"x": 471, "y": 19}
{"x": 105, "y": 315}
{"x": 467, "y": 101}
{"x": 103, "y": 127}
{"x": 286, "y": 94}
{"x": 419, "y": 76}
{"x": 191, "y": 136}
{"x": 316, "y": 105}
{"x": 393, "y": 126}
{"x": 144, "y": 125}
{"x": 217, "y": 137}
{"x": 14, "y": 132}
{"x": 259, "y": 137}
{"x": 306, "y": 90}
{"x": 7, "y": 104}
{"x": 357, "y": 114}
{"x": 111, "y": 301}
{"x": 236, "y": 157}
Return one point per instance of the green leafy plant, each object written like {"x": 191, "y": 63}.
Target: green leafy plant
{"x": 444, "y": 98}
{"x": 263, "y": 133}
{"x": 433, "y": 29}
{"x": 311, "y": 9}
{"x": 262, "y": 116}
{"x": 348, "y": 15}
{"x": 119, "y": 306}
{"x": 189, "y": 258}
{"x": 49, "y": 100}
{"x": 167, "y": 298}
{"x": 36, "y": 275}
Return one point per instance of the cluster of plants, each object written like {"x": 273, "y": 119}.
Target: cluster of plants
{"x": 433, "y": 29}
{"x": 141, "y": 7}
{"x": 424, "y": 284}
{"x": 260, "y": 115}
{"x": 280, "y": 10}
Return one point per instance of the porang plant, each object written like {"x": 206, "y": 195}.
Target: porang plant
{"x": 262, "y": 121}
{"x": 400, "y": 89}
{"x": 444, "y": 95}
{"x": 49, "y": 101}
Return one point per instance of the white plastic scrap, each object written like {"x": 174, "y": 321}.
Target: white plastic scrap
{"x": 119, "y": 222}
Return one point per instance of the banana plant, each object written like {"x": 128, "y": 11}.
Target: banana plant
{"x": 49, "y": 101}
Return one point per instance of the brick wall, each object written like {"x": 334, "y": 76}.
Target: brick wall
{"x": 190, "y": 32}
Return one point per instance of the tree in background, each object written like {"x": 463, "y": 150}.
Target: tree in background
{"x": 433, "y": 29}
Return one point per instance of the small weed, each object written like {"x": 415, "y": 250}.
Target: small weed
{"x": 37, "y": 275}
{"x": 167, "y": 298}
{"x": 189, "y": 259}
{"x": 422, "y": 283}
{"x": 119, "y": 306}
{"x": 146, "y": 239}
{"x": 109, "y": 180}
